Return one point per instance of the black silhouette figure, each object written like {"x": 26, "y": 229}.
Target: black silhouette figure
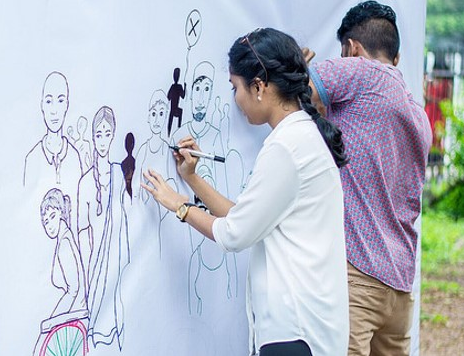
{"x": 128, "y": 164}
{"x": 174, "y": 94}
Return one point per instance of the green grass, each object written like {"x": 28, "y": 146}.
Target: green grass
{"x": 448, "y": 287}
{"x": 442, "y": 242}
{"x": 442, "y": 264}
{"x": 437, "y": 319}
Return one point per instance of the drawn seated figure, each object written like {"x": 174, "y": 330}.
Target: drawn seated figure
{"x": 67, "y": 272}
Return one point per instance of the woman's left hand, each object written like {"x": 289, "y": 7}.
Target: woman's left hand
{"x": 162, "y": 191}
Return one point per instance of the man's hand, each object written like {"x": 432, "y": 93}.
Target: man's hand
{"x": 308, "y": 54}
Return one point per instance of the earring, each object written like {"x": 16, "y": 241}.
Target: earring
{"x": 259, "y": 98}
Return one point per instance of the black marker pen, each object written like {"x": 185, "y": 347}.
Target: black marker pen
{"x": 200, "y": 154}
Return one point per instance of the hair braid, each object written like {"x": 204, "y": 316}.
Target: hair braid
{"x": 96, "y": 178}
{"x": 282, "y": 63}
{"x": 330, "y": 132}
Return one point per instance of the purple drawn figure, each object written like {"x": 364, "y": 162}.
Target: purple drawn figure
{"x": 103, "y": 235}
{"x": 53, "y": 154}
{"x": 54, "y": 162}
{"x": 67, "y": 271}
{"x": 176, "y": 92}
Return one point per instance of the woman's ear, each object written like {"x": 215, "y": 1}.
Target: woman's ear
{"x": 259, "y": 85}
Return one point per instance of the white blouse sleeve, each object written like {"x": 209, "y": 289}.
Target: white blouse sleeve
{"x": 269, "y": 197}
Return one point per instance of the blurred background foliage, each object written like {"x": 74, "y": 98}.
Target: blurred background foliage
{"x": 445, "y": 18}
{"x": 444, "y": 190}
{"x": 443, "y": 200}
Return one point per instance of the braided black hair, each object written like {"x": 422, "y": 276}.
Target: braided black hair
{"x": 281, "y": 62}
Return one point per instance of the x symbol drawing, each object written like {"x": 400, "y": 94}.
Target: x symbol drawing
{"x": 193, "y": 27}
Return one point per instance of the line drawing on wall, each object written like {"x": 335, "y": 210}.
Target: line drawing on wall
{"x": 67, "y": 339}
{"x": 82, "y": 145}
{"x": 233, "y": 157}
{"x": 54, "y": 153}
{"x": 155, "y": 154}
{"x": 192, "y": 30}
{"x": 70, "y": 314}
{"x": 175, "y": 93}
{"x": 74, "y": 158}
{"x": 54, "y": 161}
{"x": 205, "y": 255}
{"x": 103, "y": 234}
{"x": 217, "y": 115}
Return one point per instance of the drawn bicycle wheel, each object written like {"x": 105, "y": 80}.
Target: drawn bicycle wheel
{"x": 68, "y": 339}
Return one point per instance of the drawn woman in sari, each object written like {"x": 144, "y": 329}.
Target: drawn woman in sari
{"x": 102, "y": 226}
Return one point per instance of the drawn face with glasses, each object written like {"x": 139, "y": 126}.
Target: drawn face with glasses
{"x": 246, "y": 40}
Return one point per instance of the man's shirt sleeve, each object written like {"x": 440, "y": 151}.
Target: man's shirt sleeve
{"x": 336, "y": 80}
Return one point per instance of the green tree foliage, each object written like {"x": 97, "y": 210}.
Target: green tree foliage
{"x": 455, "y": 114}
{"x": 452, "y": 200}
{"x": 445, "y": 18}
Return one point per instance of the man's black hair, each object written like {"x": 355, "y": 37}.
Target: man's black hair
{"x": 374, "y": 26}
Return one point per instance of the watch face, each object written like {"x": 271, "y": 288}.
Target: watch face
{"x": 182, "y": 211}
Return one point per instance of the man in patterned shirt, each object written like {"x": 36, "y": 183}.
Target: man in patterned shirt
{"x": 387, "y": 137}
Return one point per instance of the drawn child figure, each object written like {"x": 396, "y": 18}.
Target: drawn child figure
{"x": 155, "y": 153}
{"x": 102, "y": 226}
{"x": 205, "y": 255}
{"x": 81, "y": 143}
{"x": 67, "y": 269}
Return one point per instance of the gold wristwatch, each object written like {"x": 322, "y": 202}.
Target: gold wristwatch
{"x": 183, "y": 210}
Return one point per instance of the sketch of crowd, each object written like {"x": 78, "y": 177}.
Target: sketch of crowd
{"x": 85, "y": 196}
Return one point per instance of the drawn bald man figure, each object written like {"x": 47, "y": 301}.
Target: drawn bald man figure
{"x": 54, "y": 162}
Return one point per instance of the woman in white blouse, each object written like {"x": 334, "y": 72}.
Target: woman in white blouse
{"x": 290, "y": 213}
